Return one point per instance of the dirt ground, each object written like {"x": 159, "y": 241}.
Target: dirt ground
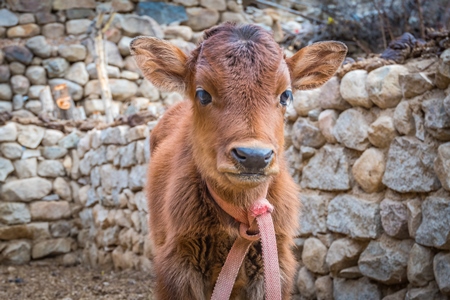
{"x": 72, "y": 283}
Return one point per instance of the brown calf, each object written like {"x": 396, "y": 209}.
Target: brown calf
{"x": 229, "y": 134}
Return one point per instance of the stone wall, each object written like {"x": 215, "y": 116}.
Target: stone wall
{"x": 370, "y": 150}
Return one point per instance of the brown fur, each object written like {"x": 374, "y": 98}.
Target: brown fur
{"x": 245, "y": 72}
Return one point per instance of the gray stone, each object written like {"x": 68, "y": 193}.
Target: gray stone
{"x": 20, "y": 84}
{"x": 382, "y": 132}
{"x": 35, "y": 106}
{"x": 61, "y": 229}
{"x": 394, "y": 218}
{"x": 7, "y": 18}
{"x": 437, "y": 121}
{"x": 383, "y": 85}
{"x": 72, "y": 53}
{"x": 39, "y": 46}
{"x": 368, "y": 170}
{"x": 64, "y": 5}
{"x": 26, "y": 18}
{"x": 5, "y": 106}
{"x": 34, "y": 91}
{"x": 407, "y": 156}
{"x": 441, "y": 265}
{"x": 307, "y": 134}
{"x": 8, "y": 132}
{"x": 137, "y": 178}
{"x": 51, "y": 247}
{"x": 36, "y": 75}
{"x": 16, "y": 253}
{"x": 330, "y": 96}
{"x": 354, "y": 216}
{"x": 11, "y": 150}
{"x": 5, "y": 92}
{"x": 51, "y": 137}
{"x": 4, "y": 72}
{"x": 163, "y": 13}
{"x": 355, "y": 289}
{"x": 201, "y": 18}
{"x": 305, "y": 283}
{"x": 176, "y": 31}
{"x": 313, "y": 256}
{"x": 56, "y": 67}
{"x": 235, "y": 17}
{"x": 113, "y": 179}
{"x": 30, "y": 5}
{"x": 6, "y": 168}
{"x": 115, "y": 135}
{"x": 343, "y": 253}
{"x": 148, "y": 90}
{"x": 350, "y": 273}
{"x": 113, "y": 72}
{"x": 69, "y": 141}
{"x": 420, "y": 265}
{"x": 133, "y": 25}
{"x": 353, "y": 88}
{"x": 18, "y": 53}
{"x": 113, "y": 56}
{"x": 385, "y": 260}
{"x": 313, "y": 214}
{"x": 305, "y": 101}
{"x": 49, "y": 210}
{"x": 124, "y": 46}
{"x": 77, "y": 27}
{"x": 324, "y": 288}
{"x": 327, "y": 170}
{"x": 14, "y": 213}
{"x": 121, "y": 89}
{"x": 53, "y": 30}
{"x": 80, "y": 13}
{"x": 51, "y": 168}
{"x": 415, "y": 84}
{"x": 16, "y": 68}
{"x": 36, "y": 189}
{"x": 45, "y": 17}
{"x": 77, "y": 73}
{"x": 23, "y": 31}
{"x": 53, "y": 152}
{"x": 434, "y": 231}
{"x": 400, "y": 295}
{"x": 351, "y": 130}
{"x": 414, "y": 211}
{"x": 403, "y": 119}
{"x": 18, "y": 101}
{"x": 30, "y": 136}
{"x": 442, "y": 165}
{"x": 75, "y": 90}
{"x": 431, "y": 291}
{"x": 26, "y": 168}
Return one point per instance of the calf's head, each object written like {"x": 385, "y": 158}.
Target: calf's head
{"x": 239, "y": 83}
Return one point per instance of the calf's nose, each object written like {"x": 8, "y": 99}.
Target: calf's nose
{"x": 252, "y": 159}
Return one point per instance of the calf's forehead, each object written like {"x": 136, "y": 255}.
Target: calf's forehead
{"x": 235, "y": 61}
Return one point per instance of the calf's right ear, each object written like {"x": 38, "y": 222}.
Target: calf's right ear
{"x": 162, "y": 63}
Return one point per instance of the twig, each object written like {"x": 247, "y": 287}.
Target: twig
{"x": 422, "y": 27}
{"x": 381, "y": 25}
{"x": 363, "y": 47}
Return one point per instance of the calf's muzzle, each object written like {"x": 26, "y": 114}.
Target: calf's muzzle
{"x": 252, "y": 160}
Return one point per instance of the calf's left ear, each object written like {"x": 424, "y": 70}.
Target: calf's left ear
{"x": 162, "y": 63}
{"x": 313, "y": 65}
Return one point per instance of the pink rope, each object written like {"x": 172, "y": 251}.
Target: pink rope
{"x": 261, "y": 210}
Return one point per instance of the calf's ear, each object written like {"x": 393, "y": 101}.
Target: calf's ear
{"x": 313, "y": 65}
{"x": 161, "y": 63}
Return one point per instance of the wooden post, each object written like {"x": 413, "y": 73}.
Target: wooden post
{"x": 64, "y": 102}
{"x": 100, "y": 63}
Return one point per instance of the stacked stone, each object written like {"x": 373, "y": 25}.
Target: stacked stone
{"x": 38, "y": 202}
{"x": 49, "y": 45}
{"x": 371, "y": 152}
{"x": 112, "y": 167}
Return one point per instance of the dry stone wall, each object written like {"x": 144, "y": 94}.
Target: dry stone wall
{"x": 370, "y": 150}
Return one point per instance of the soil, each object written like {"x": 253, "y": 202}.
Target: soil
{"x": 72, "y": 283}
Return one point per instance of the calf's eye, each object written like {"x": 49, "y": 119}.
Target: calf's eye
{"x": 286, "y": 97}
{"x": 203, "y": 96}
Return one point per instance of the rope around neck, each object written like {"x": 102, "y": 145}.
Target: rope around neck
{"x": 250, "y": 231}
